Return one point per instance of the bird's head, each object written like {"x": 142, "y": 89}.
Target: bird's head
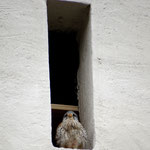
{"x": 70, "y": 115}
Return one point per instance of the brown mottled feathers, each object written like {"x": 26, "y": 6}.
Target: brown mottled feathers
{"x": 70, "y": 133}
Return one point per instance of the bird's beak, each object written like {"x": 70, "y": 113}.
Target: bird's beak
{"x": 70, "y": 115}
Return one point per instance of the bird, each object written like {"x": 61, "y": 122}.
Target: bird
{"x": 70, "y": 133}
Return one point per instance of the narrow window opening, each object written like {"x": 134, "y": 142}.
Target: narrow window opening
{"x": 70, "y": 63}
{"x": 64, "y": 63}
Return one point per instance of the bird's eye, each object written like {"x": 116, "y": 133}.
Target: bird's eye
{"x": 75, "y": 116}
{"x": 65, "y": 115}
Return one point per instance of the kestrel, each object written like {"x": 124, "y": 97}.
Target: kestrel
{"x": 70, "y": 133}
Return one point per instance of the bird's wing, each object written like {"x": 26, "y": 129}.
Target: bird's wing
{"x": 58, "y": 131}
{"x": 84, "y": 133}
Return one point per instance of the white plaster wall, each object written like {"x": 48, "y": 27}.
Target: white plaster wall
{"x": 121, "y": 65}
{"x": 24, "y": 76}
{"x": 121, "y": 68}
{"x": 85, "y": 81}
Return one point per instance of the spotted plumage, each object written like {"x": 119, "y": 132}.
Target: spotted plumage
{"x": 70, "y": 133}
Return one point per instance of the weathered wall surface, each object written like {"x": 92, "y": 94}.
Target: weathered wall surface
{"x": 24, "y": 76}
{"x": 121, "y": 57}
{"x": 121, "y": 68}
